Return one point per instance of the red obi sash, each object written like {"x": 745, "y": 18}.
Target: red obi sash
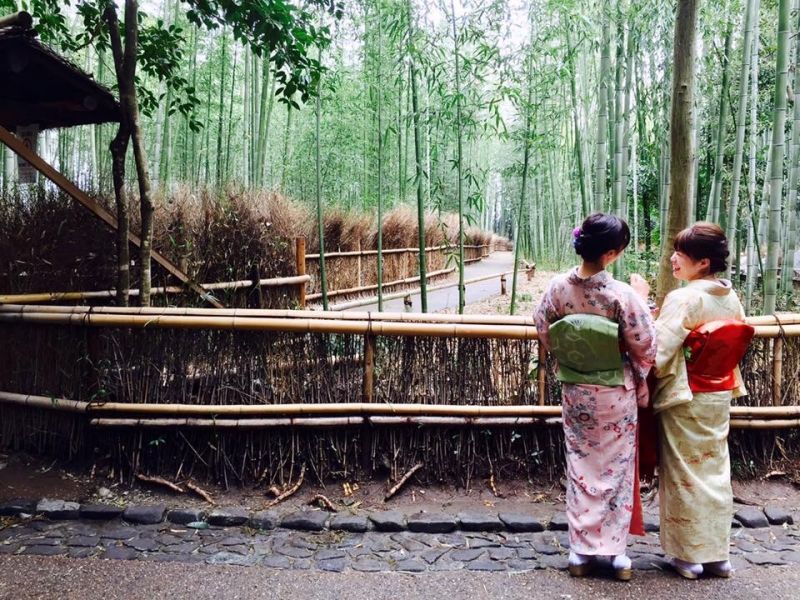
{"x": 712, "y": 352}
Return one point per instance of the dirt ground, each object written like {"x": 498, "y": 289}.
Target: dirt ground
{"x": 26, "y": 476}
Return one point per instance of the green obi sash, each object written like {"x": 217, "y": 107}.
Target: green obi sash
{"x": 587, "y": 349}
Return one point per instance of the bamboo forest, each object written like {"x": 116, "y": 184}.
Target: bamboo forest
{"x": 336, "y": 285}
{"x": 519, "y": 117}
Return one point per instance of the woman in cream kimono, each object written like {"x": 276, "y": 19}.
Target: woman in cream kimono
{"x": 600, "y": 420}
{"x": 695, "y": 494}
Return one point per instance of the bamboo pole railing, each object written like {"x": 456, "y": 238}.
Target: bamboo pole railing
{"x": 395, "y": 296}
{"x": 356, "y": 413}
{"x": 389, "y": 251}
{"x": 276, "y": 313}
{"x": 385, "y": 328}
{"x": 367, "y": 288}
{"x": 295, "y": 280}
{"x": 369, "y": 325}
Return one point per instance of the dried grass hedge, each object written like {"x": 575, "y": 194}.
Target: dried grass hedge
{"x": 48, "y": 243}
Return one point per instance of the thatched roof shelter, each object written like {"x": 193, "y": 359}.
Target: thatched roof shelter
{"x": 41, "y": 87}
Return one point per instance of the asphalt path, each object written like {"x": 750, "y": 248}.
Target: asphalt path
{"x": 497, "y": 262}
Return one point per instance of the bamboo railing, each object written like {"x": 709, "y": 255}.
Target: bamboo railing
{"x": 776, "y": 327}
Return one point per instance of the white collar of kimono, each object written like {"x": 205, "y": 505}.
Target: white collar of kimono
{"x": 715, "y": 287}
{"x": 599, "y": 277}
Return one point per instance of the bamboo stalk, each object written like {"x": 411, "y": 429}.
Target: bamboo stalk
{"x": 389, "y": 421}
{"x": 366, "y": 288}
{"x": 33, "y": 298}
{"x": 230, "y": 423}
{"x": 465, "y": 421}
{"x": 272, "y": 324}
{"x": 332, "y": 408}
{"x": 765, "y": 423}
{"x": 766, "y": 326}
{"x": 387, "y": 251}
{"x": 275, "y": 313}
{"x": 373, "y": 300}
{"x": 46, "y": 402}
{"x": 377, "y": 413}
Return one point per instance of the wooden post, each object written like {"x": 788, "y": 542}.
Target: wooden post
{"x": 300, "y": 258}
{"x": 541, "y": 373}
{"x": 369, "y": 368}
{"x": 359, "y": 264}
{"x": 503, "y": 285}
{"x": 255, "y": 297}
{"x": 777, "y": 371}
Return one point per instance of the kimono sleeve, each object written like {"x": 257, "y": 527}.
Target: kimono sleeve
{"x": 679, "y": 315}
{"x": 739, "y": 390}
{"x": 546, "y": 313}
{"x": 638, "y": 334}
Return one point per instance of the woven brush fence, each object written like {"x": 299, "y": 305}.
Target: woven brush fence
{"x": 348, "y": 270}
{"x": 250, "y": 399}
{"x": 218, "y": 368}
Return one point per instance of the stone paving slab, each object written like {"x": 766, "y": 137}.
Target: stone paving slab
{"x": 343, "y": 551}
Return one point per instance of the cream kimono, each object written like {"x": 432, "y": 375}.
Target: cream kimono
{"x": 696, "y": 501}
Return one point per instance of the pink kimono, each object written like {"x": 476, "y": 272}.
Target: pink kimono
{"x": 600, "y": 421}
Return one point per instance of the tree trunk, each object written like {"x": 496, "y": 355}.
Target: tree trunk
{"x": 684, "y": 50}
{"x": 713, "y": 209}
{"x": 777, "y": 153}
{"x": 602, "y": 121}
{"x": 741, "y": 121}
{"x": 420, "y": 175}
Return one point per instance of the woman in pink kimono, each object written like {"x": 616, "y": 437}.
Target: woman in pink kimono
{"x": 600, "y": 421}
{"x": 695, "y": 496}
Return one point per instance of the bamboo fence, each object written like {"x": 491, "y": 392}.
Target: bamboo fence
{"x": 350, "y": 274}
{"x": 242, "y": 394}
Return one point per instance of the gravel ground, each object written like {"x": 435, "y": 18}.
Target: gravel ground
{"x": 23, "y": 577}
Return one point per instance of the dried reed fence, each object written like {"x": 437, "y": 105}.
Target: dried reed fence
{"x": 238, "y": 396}
{"x": 357, "y": 270}
{"x": 48, "y": 244}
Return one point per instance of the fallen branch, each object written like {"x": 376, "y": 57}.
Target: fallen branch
{"x": 493, "y": 487}
{"x": 324, "y": 502}
{"x": 200, "y": 492}
{"x": 392, "y": 491}
{"x": 290, "y": 491}
{"x": 174, "y": 487}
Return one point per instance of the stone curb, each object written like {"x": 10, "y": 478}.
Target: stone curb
{"x": 316, "y": 520}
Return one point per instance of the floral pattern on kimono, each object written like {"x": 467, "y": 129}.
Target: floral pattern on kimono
{"x": 600, "y": 421}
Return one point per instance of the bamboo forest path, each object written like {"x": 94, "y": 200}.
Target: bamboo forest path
{"x": 439, "y": 300}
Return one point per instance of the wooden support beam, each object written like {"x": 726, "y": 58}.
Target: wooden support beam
{"x": 16, "y": 144}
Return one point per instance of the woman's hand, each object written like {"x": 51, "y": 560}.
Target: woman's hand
{"x": 640, "y": 286}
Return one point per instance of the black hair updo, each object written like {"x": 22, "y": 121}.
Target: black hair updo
{"x": 599, "y": 233}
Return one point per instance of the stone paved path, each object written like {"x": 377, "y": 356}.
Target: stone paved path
{"x": 339, "y": 551}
